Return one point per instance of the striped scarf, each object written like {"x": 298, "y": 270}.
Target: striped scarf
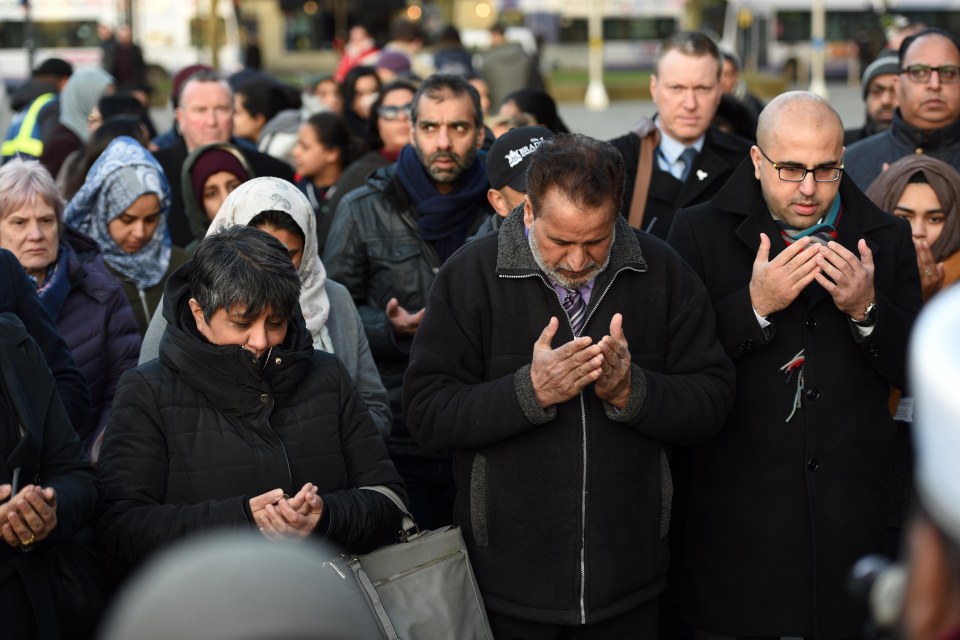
{"x": 822, "y": 232}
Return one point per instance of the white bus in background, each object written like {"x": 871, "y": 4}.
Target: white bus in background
{"x": 632, "y": 30}
{"x": 774, "y": 35}
{"x": 172, "y": 33}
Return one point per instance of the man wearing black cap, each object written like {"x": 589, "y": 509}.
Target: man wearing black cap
{"x": 37, "y": 110}
{"x": 507, "y": 172}
{"x": 879, "y": 87}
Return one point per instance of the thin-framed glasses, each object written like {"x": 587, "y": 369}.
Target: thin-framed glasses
{"x": 392, "y": 113}
{"x": 920, "y": 73}
{"x": 799, "y": 174}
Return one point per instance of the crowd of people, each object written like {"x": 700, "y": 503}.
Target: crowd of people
{"x": 659, "y": 381}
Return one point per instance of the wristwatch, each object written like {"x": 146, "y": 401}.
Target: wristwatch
{"x": 869, "y": 316}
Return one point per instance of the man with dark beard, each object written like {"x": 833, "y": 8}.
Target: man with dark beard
{"x": 389, "y": 238}
{"x": 560, "y": 359}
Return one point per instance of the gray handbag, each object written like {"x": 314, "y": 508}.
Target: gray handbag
{"x": 421, "y": 588}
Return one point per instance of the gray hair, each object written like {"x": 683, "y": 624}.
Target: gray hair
{"x": 22, "y": 182}
{"x": 690, "y": 43}
{"x": 247, "y": 268}
{"x": 202, "y": 76}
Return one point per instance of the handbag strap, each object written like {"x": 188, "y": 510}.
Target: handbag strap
{"x": 408, "y": 524}
{"x": 641, "y": 186}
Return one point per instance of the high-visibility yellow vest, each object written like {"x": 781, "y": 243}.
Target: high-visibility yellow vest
{"x": 25, "y": 140}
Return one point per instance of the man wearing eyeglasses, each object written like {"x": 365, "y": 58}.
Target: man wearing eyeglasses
{"x": 815, "y": 290}
{"x": 928, "y": 118}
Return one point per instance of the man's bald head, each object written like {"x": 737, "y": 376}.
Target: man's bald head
{"x": 795, "y": 108}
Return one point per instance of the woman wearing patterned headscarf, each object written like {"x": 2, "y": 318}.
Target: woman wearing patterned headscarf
{"x": 926, "y": 192}
{"x": 77, "y": 100}
{"x": 123, "y": 205}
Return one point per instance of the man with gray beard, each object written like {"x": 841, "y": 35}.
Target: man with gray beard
{"x": 386, "y": 243}
{"x": 559, "y": 359}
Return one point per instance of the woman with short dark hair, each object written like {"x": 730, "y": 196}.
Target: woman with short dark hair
{"x": 240, "y": 423}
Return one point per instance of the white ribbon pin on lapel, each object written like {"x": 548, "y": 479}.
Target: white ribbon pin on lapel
{"x": 701, "y": 175}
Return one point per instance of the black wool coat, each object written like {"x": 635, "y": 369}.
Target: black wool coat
{"x": 565, "y": 510}
{"x": 780, "y": 510}
{"x": 715, "y": 163}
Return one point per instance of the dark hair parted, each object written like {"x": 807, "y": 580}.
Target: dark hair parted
{"x": 690, "y": 43}
{"x": 244, "y": 268}
{"x": 279, "y": 220}
{"x": 333, "y": 133}
{"x": 441, "y": 86}
{"x": 267, "y": 97}
{"x": 348, "y": 90}
{"x": 540, "y": 105}
{"x": 928, "y": 31}
{"x": 587, "y": 172}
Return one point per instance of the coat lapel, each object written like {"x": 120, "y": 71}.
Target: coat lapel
{"x": 707, "y": 169}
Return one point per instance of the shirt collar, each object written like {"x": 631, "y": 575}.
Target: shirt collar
{"x": 671, "y": 148}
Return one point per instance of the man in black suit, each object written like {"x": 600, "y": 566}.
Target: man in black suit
{"x": 205, "y": 116}
{"x": 682, "y": 160}
{"x": 815, "y": 290}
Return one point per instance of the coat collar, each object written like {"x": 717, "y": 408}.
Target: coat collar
{"x": 741, "y": 196}
{"x": 229, "y": 376}
{"x": 924, "y": 139}
{"x": 514, "y": 257}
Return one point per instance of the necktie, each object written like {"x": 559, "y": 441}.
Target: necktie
{"x": 576, "y": 310}
{"x": 688, "y": 156}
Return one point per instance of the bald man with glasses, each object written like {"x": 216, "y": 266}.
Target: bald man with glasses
{"x": 814, "y": 293}
{"x": 928, "y": 118}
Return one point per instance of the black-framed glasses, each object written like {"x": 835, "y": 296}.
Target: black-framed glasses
{"x": 799, "y": 174}
{"x": 392, "y": 113}
{"x": 920, "y": 73}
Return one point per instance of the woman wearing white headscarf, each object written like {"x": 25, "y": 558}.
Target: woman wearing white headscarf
{"x": 77, "y": 100}
{"x": 282, "y": 210}
{"x": 123, "y": 206}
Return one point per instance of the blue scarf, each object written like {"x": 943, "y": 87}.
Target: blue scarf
{"x": 124, "y": 172}
{"x": 442, "y": 219}
{"x": 55, "y": 289}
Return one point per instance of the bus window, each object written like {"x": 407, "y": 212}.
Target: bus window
{"x": 50, "y": 35}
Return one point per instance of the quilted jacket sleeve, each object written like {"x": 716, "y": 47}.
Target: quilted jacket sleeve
{"x": 134, "y": 468}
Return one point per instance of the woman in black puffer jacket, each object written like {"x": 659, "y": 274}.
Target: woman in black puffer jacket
{"x": 240, "y": 423}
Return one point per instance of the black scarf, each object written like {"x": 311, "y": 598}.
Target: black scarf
{"x": 442, "y": 219}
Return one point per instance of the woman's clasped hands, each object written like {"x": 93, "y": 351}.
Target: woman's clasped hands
{"x": 279, "y": 516}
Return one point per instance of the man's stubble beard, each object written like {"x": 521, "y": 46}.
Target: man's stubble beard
{"x": 553, "y": 273}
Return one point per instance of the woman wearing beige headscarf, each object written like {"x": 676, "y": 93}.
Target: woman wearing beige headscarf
{"x": 280, "y": 209}
{"x": 926, "y": 192}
